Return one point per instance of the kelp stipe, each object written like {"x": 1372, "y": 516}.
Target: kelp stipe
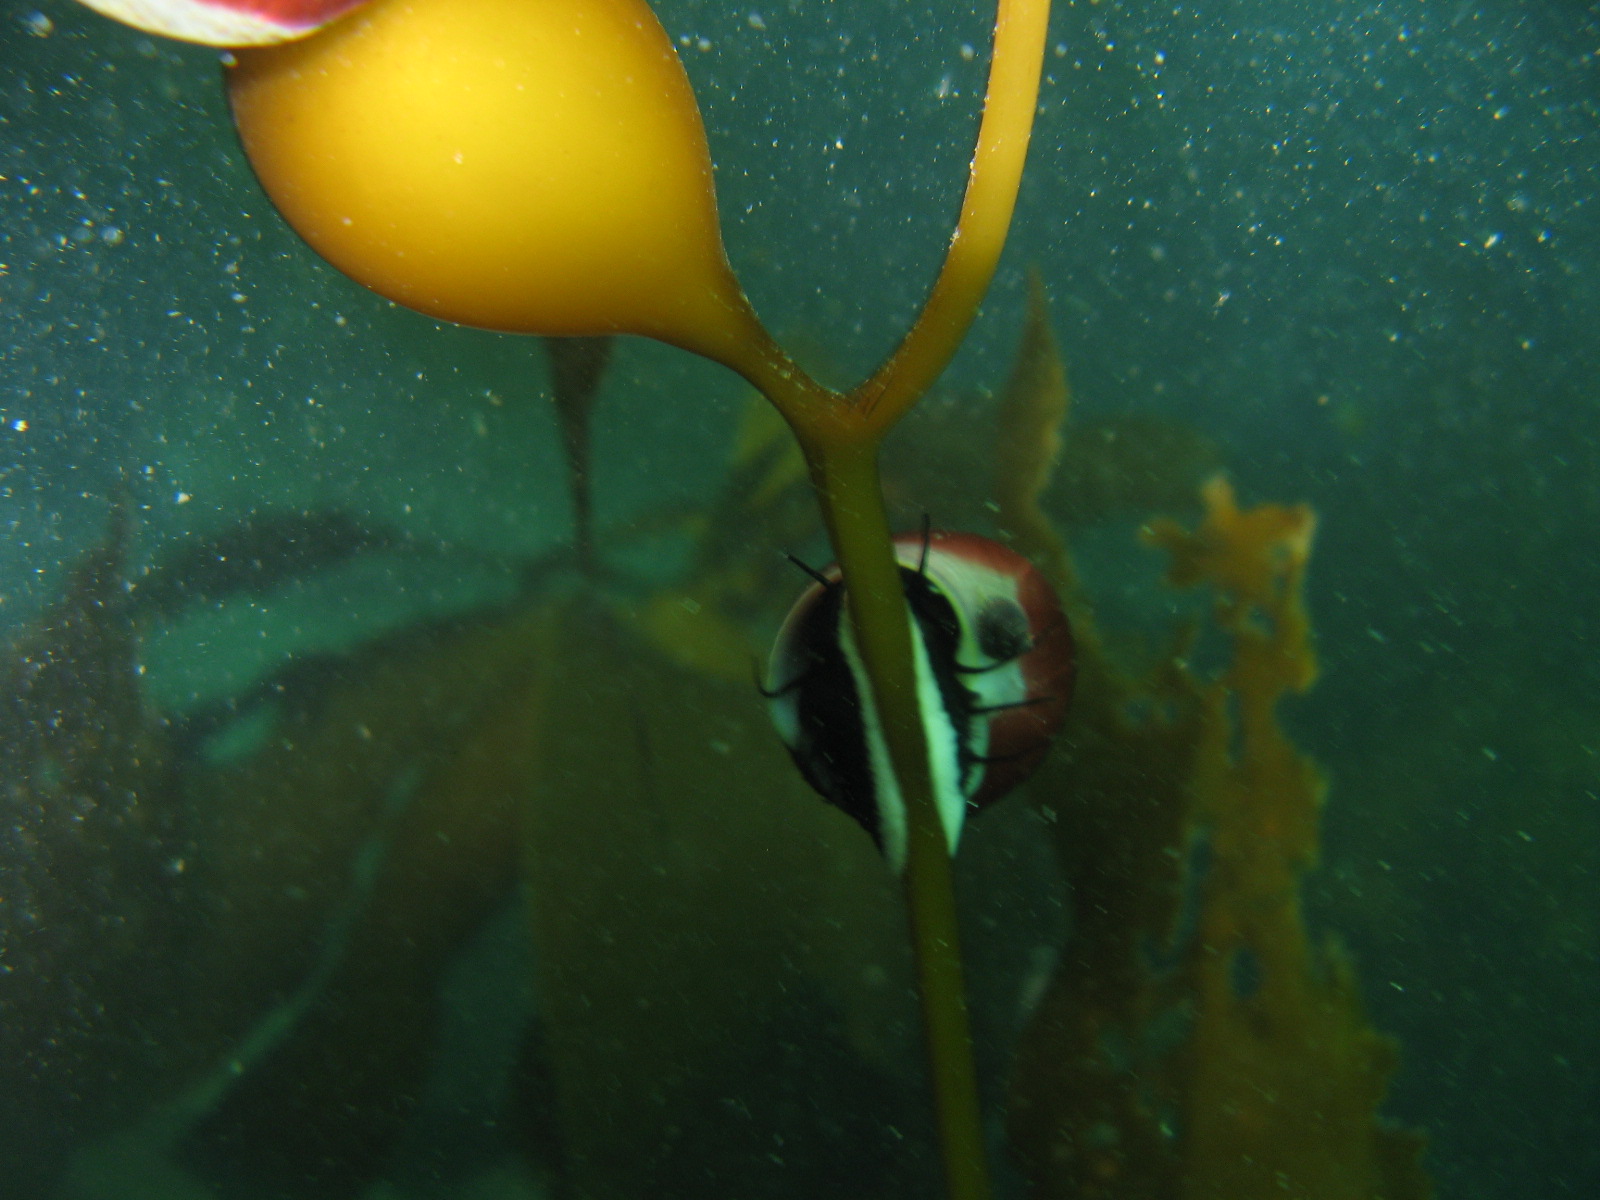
{"x": 576, "y": 365}
{"x": 543, "y": 169}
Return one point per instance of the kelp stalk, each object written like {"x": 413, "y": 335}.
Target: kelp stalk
{"x": 992, "y": 183}
{"x": 840, "y": 437}
{"x": 576, "y": 366}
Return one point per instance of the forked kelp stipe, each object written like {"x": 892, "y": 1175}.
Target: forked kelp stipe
{"x": 543, "y": 169}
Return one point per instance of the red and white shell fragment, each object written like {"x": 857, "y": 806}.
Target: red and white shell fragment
{"x": 994, "y": 675}
{"x": 226, "y": 22}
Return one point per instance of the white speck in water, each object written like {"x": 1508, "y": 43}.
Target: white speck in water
{"x": 38, "y": 24}
{"x": 111, "y": 235}
{"x": 756, "y": 21}
{"x": 182, "y": 498}
{"x": 967, "y": 52}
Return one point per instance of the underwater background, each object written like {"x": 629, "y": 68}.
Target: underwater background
{"x": 1350, "y": 253}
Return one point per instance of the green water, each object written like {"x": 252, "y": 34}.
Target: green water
{"x": 1356, "y": 246}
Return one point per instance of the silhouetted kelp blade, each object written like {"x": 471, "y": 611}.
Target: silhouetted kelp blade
{"x": 91, "y": 879}
{"x": 1033, "y": 413}
{"x": 424, "y": 740}
{"x": 158, "y": 951}
{"x": 262, "y": 552}
{"x": 553, "y": 738}
{"x": 684, "y": 885}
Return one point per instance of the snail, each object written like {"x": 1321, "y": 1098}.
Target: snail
{"x": 994, "y": 667}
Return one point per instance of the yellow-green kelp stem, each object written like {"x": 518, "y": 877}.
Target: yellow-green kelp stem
{"x": 840, "y": 436}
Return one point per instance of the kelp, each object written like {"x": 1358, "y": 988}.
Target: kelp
{"x": 693, "y": 910}
{"x": 412, "y": 757}
{"x": 708, "y": 619}
{"x": 576, "y": 368}
{"x": 350, "y": 826}
{"x": 721, "y": 982}
{"x": 91, "y": 864}
{"x": 689, "y": 905}
{"x": 185, "y": 911}
{"x": 1033, "y": 411}
{"x": 256, "y": 555}
{"x": 1196, "y": 1040}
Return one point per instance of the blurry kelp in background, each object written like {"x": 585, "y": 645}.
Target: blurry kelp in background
{"x": 576, "y": 368}
{"x": 161, "y": 896}
{"x": 264, "y": 551}
{"x": 1199, "y": 1041}
{"x": 93, "y": 858}
{"x": 721, "y": 992}
{"x": 1195, "y": 1040}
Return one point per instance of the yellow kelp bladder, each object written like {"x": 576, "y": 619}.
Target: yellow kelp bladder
{"x": 534, "y": 168}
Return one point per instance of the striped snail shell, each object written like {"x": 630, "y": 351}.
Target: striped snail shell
{"x": 994, "y": 667}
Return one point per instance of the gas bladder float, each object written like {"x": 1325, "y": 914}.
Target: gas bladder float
{"x": 994, "y": 673}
